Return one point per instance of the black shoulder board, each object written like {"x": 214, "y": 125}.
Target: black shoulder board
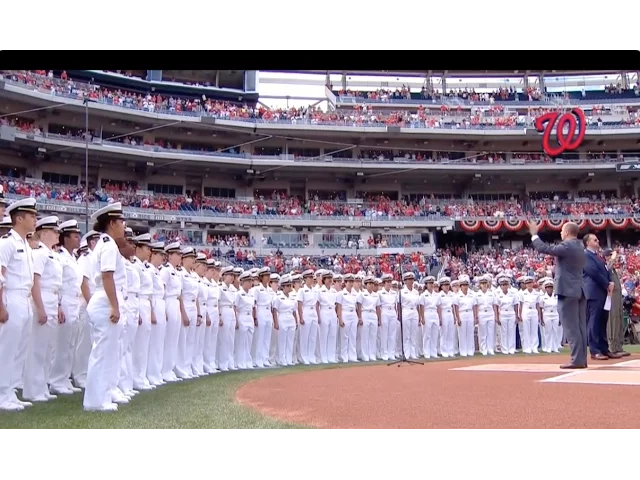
{"x": 51, "y": 257}
{"x": 6, "y": 235}
{"x": 105, "y": 239}
{"x": 20, "y": 251}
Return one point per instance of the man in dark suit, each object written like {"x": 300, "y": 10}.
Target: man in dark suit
{"x": 570, "y": 260}
{"x": 598, "y": 285}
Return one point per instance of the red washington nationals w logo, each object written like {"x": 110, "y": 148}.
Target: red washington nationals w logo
{"x": 577, "y": 127}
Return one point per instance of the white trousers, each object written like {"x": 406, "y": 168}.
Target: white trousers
{"x": 369, "y": 336}
{"x": 286, "y": 335}
{"x": 508, "y": 333}
{"x": 465, "y": 335}
{"x": 104, "y": 359}
{"x": 211, "y": 340}
{"x": 419, "y": 343}
{"x": 156, "y": 341}
{"x": 327, "y": 332}
{"x": 446, "y": 334}
{"x": 226, "y": 339}
{"x": 242, "y": 344}
{"x": 262, "y": 336}
{"x": 82, "y": 342}
{"x": 308, "y": 335}
{"x": 12, "y": 333}
{"x": 201, "y": 333}
{"x": 64, "y": 347}
{"x": 388, "y": 333}
{"x": 186, "y": 341}
{"x": 140, "y": 349}
{"x": 20, "y": 359}
{"x": 273, "y": 348}
{"x": 529, "y": 330}
{"x": 35, "y": 376}
{"x": 125, "y": 381}
{"x": 487, "y": 333}
{"x": 410, "y": 333}
{"x": 430, "y": 335}
{"x": 171, "y": 338}
{"x": 550, "y": 333}
{"x": 348, "y": 335}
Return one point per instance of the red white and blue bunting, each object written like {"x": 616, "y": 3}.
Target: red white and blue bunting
{"x": 513, "y": 225}
{"x": 492, "y": 225}
{"x": 598, "y": 223}
{"x": 470, "y": 225}
{"x": 554, "y": 223}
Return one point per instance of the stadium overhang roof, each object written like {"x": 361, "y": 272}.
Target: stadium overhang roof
{"x": 455, "y": 73}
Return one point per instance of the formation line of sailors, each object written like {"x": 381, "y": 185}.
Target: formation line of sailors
{"x": 114, "y": 314}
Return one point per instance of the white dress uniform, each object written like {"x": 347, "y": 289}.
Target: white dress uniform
{"x": 389, "y": 319}
{"x": 508, "y": 305}
{"x": 48, "y": 266}
{"x": 201, "y": 331}
{"x": 83, "y": 333}
{"x": 286, "y": 307}
{"x": 530, "y": 321}
{"x": 16, "y": 266}
{"x": 157, "y": 334}
{"x": 262, "y": 333}
{"x": 328, "y": 330}
{"x": 431, "y": 303}
{"x": 549, "y": 305}
{"x": 370, "y": 302}
{"x": 172, "y": 280}
{"x": 244, "y": 304}
{"x": 211, "y": 333}
{"x": 308, "y": 299}
{"x": 186, "y": 342}
{"x": 409, "y": 304}
{"x": 226, "y": 333}
{"x": 466, "y": 330}
{"x": 140, "y": 348}
{"x": 132, "y": 305}
{"x": 348, "y": 302}
{"x": 105, "y": 360}
{"x": 486, "y": 321}
{"x": 447, "y": 302}
{"x": 273, "y": 348}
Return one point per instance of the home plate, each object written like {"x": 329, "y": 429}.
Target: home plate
{"x": 516, "y": 367}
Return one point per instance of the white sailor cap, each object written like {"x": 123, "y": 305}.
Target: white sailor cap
{"x": 320, "y": 272}
{"x": 528, "y": 279}
{"x": 484, "y": 279}
{"x": 6, "y": 222}
{"x": 296, "y": 278}
{"x": 445, "y": 281}
{"x": 227, "y": 270}
{"x": 213, "y": 263}
{"x": 337, "y": 277}
{"x": 48, "y": 223}
{"x": 201, "y": 258}
{"x": 187, "y": 252}
{"x": 378, "y": 281}
{"x": 128, "y": 233}
{"x": 90, "y": 235}
{"x": 327, "y": 274}
{"x": 113, "y": 210}
{"x": 254, "y": 273}
{"x": 369, "y": 279}
{"x": 25, "y": 205}
{"x": 83, "y": 245}
{"x": 308, "y": 274}
{"x": 70, "y": 226}
{"x": 173, "y": 247}
{"x": 349, "y": 277}
{"x": 548, "y": 283}
{"x": 429, "y": 279}
{"x": 264, "y": 271}
{"x": 520, "y": 279}
{"x": 503, "y": 280}
{"x": 463, "y": 280}
{"x": 285, "y": 280}
{"x": 408, "y": 276}
{"x": 245, "y": 276}
{"x": 455, "y": 283}
{"x": 157, "y": 247}
{"x": 144, "y": 239}
{"x": 238, "y": 271}
{"x": 358, "y": 277}
{"x": 274, "y": 277}
{"x": 394, "y": 283}
{"x": 387, "y": 277}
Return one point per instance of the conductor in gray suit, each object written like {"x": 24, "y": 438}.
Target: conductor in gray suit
{"x": 572, "y": 303}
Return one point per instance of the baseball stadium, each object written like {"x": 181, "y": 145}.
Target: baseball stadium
{"x": 303, "y": 249}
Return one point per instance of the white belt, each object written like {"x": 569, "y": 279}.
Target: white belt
{"x": 133, "y": 294}
{"x": 507, "y": 310}
{"x": 266, "y": 307}
{"x": 465, "y": 311}
{"x": 145, "y": 297}
{"x": 550, "y": 310}
{"x": 157, "y": 296}
{"x": 225, "y": 306}
{"x": 244, "y": 313}
{"x": 53, "y": 291}
{"x": 528, "y": 307}
{"x": 369, "y": 311}
{"x": 485, "y": 310}
{"x": 446, "y": 310}
{"x": 327, "y": 307}
{"x": 71, "y": 294}
{"x": 307, "y": 307}
{"x": 189, "y": 298}
{"x": 389, "y": 307}
{"x": 349, "y": 309}
{"x": 430, "y": 309}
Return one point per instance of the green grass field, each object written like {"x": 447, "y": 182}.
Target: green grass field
{"x": 206, "y": 402}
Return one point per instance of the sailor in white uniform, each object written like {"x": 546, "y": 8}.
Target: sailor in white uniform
{"x": 106, "y": 309}
{"x": 274, "y": 283}
{"x": 487, "y": 315}
{"x": 467, "y": 317}
{"x": 201, "y": 331}
{"x": 430, "y": 316}
{"x": 409, "y": 298}
{"x": 226, "y": 333}
{"x": 264, "y": 316}
{"x": 47, "y": 282}
{"x": 370, "y": 308}
{"x": 388, "y": 318}
{"x": 212, "y": 326}
{"x": 172, "y": 280}
{"x": 328, "y": 320}
{"x": 348, "y": 312}
{"x": 508, "y": 302}
{"x": 140, "y": 348}
{"x": 285, "y": 308}
{"x": 308, "y": 313}
{"x": 158, "y": 316}
{"x": 530, "y": 316}
{"x": 189, "y": 315}
{"x": 550, "y": 319}
{"x": 82, "y": 334}
{"x": 245, "y": 308}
